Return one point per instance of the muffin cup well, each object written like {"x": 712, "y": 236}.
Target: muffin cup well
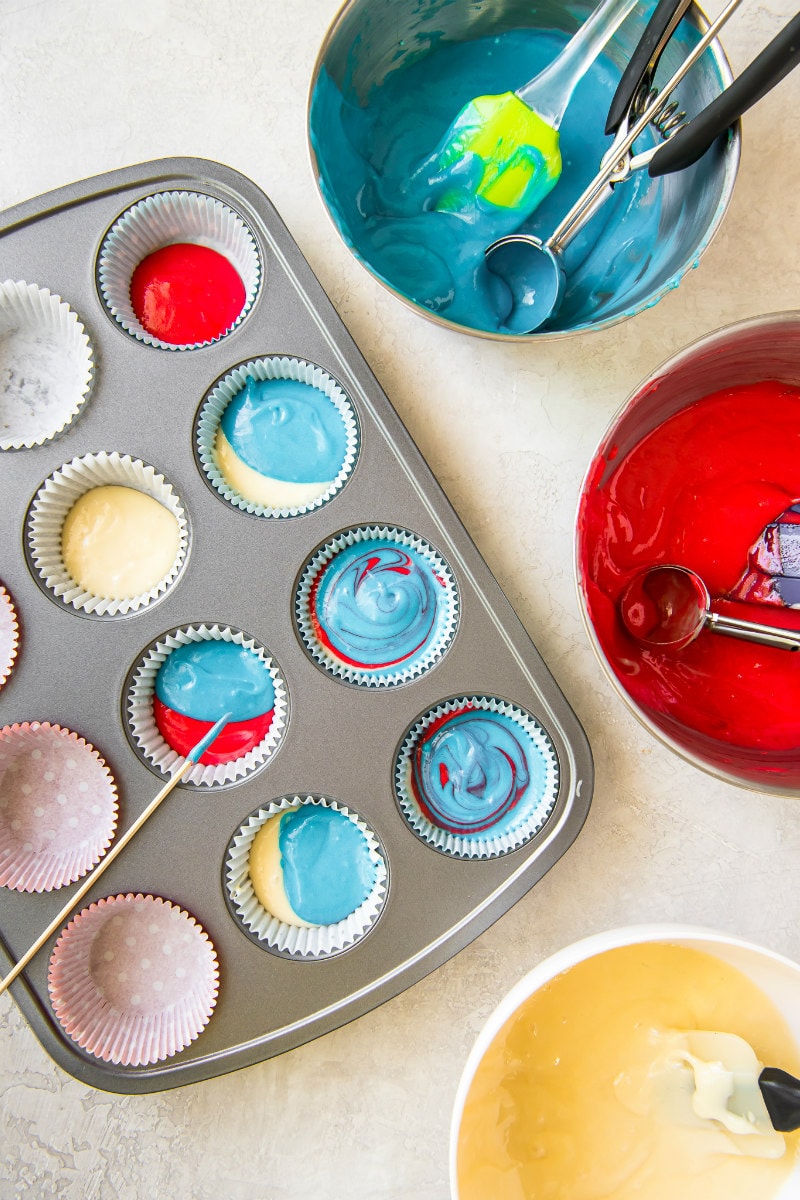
{"x": 424, "y": 656}
{"x": 51, "y": 505}
{"x": 58, "y": 807}
{"x": 524, "y": 818}
{"x": 46, "y": 365}
{"x": 165, "y": 219}
{"x": 145, "y": 735}
{"x": 133, "y": 979}
{"x": 316, "y": 941}
{"x": 275, "y": 367}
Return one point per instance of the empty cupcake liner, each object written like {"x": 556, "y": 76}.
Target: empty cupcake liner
{"x": 531, "y": 811}
{"x": 275, "y": 367}
{"x": 9, "y": 635}
{"x": 133, "y": 979}
{"x": 58, "y": 807}
{"x": 162, "y": 220}
{"x": 316, "y": 941}
{"x": 52, "y": 503}
{"x": 395, "y": 673}
{"x": 145, "y": 735}
{"x": 46, "y": 365}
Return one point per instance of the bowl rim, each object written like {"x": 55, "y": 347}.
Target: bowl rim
{"x": 733, "y": 152}
{"x": 785, "y": 317}
{"x": 568, "y": 956}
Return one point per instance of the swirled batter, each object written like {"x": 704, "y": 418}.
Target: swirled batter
{"x": 381, "y": 607}
{"x": 470, "y": 770}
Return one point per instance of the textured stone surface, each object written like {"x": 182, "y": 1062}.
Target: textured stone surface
{"x": 364, "y": 1112}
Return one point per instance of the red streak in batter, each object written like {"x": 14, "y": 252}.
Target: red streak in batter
{"x": 698, "y": 491}
{"x": 184, "y": 294}
{"x": 237, "y": 738}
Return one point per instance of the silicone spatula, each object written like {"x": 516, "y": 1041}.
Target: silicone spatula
{"x": 514, "y": 136}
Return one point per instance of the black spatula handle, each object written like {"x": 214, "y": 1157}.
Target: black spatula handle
{"x": 658, "y": 31}
{"x": 781, "y": 1093}
{"x": 690, "y": 143}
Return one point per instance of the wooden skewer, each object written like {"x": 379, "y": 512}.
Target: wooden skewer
{"x": 191, "y": 759}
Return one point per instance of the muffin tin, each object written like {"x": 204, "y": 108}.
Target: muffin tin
{"x": 339, "y": 740}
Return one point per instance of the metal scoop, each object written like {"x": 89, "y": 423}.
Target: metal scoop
{"x": 532, "y": 269}
{"x": 670, "y": 606}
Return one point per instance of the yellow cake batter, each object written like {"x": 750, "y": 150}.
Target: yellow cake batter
{"x": 572, "y": 1101}
{"x": 118, "y": 543}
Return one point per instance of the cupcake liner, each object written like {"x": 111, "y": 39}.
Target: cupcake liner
{"x": 49, "y": 509}
{"x": 133, "y": 979}
{"x": 275, "y": 367}
{"x": 146, "y": 737}
{"x": 316, "y": 941}
{"x": 525, "y": 817}
{"x": 162, "y": 220}
{"x": 422, "y": 658}
{"x": 58, "y": 807}
{"x": 46, "y": 365}
{"x": 9, "y": 635}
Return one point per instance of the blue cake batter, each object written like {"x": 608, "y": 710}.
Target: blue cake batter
{"x": 381, "y": 179}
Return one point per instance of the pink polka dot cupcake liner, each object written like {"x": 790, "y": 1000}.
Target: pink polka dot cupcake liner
{"x": 133, "y": 979}
{"x": 9, "y": 635}
{"x": 58, "y": 807}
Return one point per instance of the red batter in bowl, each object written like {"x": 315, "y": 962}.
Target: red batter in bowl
{"x": 699, "y": 490}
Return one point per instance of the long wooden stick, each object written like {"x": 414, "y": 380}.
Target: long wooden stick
{"x": 191, "y": 759}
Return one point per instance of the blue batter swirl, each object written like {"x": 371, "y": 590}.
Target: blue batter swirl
{"x": 378, "y": 604}
{"x": 470, "y": 771}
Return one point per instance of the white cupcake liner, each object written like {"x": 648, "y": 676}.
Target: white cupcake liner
{"x": 46, "y": 365}
{"x": 316, "y": 941}
{"x": 9, "y": 635}
{"x": 55, "y": 498}
{"x": 365, "y": 676}
{"x": 275, "y": 367}
{"x": 532, "y": 812}
{"x": 159, "y": 999}
{"x": 146, "y": 736}
{"x": 162, "y": 220}
{"x": 58, "y": 807}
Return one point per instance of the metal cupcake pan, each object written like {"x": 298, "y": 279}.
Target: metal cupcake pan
{"x": 241, "y": 572}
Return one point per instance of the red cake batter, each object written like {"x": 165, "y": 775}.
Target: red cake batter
{"x": 700, "y": 491}
{"x": 183, "y": 294}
